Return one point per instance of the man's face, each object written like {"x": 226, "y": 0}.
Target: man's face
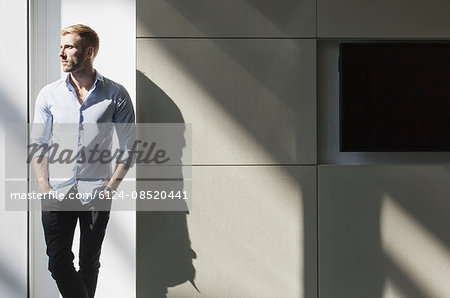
{"x": 72, "y": 53}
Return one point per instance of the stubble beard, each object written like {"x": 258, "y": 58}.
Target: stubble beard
{"x": 73, "y": 65}
{"x": 70, "y": 66}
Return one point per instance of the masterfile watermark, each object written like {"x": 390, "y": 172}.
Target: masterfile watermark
{"x": 147, "y": 155}
{"x": 158, "y": 157}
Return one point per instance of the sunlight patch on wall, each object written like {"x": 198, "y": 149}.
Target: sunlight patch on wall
{"x": 422, "y": 256}
{"x": 229, "y": 133}
{"x": 185, "y": 25}
{"x": 392, "y": 290}
{"x": 248, "y": 231}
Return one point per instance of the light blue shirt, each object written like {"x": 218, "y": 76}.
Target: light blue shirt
{"x": 61, "y": 119}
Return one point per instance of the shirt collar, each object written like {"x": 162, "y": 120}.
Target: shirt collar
{"x": 98, "y": 77}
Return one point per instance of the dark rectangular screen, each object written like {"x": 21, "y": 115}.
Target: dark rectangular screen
{"x": 395, "y": 96}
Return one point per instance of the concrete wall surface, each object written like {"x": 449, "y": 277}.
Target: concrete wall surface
{"x": 382, "y": 231}
{"x": 259, "y": 83}
{"x": 277, "y": 210}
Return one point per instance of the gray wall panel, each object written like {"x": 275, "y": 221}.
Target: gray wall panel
{"x": 383, "y": 19}
{"x": 382, "y": 231}
{"x": 253, "y": 229}
{"x": 249, "y": 101}
{"x": 221, "y": 18}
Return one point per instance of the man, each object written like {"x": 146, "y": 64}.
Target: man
{"x": 83, "y": 98}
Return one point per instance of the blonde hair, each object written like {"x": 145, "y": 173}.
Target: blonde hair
{"x": 87, "y": 35}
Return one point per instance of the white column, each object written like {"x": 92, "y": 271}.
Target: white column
{"x": 13, "y": 100}
{"x": 115, "y": 23}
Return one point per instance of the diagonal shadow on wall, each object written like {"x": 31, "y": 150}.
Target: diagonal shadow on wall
{"x": 163, "y": 248}
{"x": 264, "y": 65}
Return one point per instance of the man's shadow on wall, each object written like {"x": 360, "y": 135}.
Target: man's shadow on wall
{"x": 163, "y": 248}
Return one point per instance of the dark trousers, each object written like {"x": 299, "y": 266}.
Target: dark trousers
{"x": 59, "y": 227}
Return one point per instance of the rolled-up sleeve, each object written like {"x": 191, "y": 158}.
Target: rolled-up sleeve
{"x": 42, "y": 127}
{"x": 124, "y": 120}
